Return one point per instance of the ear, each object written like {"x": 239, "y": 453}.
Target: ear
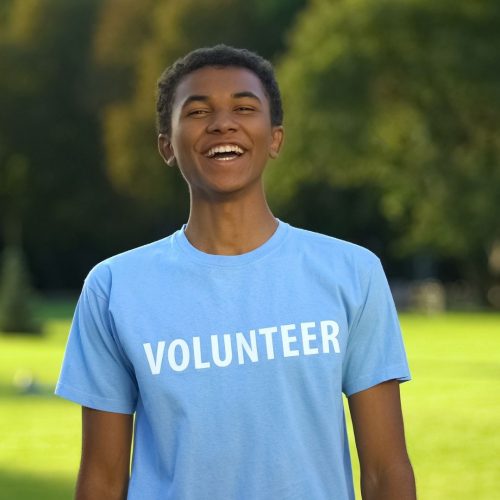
{"x": 278, "y": 134}
{"x": 166, "y": 151}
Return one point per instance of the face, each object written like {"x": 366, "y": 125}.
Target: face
{"x": 222, "y": 135}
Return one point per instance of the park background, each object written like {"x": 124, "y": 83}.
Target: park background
{"x": 392, "y": 117}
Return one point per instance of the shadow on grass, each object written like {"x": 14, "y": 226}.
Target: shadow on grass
{"x": 23, "y": 486}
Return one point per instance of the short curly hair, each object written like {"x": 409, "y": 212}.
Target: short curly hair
{"x": 220, "y": 56}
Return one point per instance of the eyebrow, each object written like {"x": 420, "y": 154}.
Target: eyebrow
{"x": 245, "y": 93}
{"x": 205, "y": 98}
{"x": 192, "y": 98}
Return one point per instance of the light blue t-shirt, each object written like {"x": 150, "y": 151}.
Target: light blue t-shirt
{"x": 235, "y": 365}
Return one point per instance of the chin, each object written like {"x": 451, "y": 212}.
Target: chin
{"x": 222, "y": 189}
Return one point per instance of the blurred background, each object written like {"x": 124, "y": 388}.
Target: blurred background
{"x": 392, "y": 118}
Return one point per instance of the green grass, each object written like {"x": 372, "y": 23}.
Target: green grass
{"x": 39, "y": 448}
{"x": 451, "y": 409}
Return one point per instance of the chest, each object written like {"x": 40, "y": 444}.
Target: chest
{"x": 221, "y": 333}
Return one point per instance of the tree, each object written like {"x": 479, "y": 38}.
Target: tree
{"x": 16, "y": 314}
{"x": 69, "y": 208}
{"x": 401, "y": 97}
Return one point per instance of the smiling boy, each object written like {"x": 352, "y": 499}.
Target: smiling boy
{"x": 233, "y": 339}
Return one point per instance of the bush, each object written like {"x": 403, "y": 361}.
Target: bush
{"x": 16, "y": 294}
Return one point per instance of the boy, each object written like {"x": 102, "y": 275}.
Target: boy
{"x": 232, "y": 339}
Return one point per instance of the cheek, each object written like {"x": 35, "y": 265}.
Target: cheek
{"x": 262, "y": 135}
{"x": 187, "y": 135}
{"x": 181, "y": 144}
{"x": 265, "y": 142}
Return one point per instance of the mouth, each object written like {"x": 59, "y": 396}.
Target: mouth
{"x": 225, "y": 152}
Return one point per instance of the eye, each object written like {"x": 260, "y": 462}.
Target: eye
{"x": 197, "y": 112}
{"x": 245, "y": 109}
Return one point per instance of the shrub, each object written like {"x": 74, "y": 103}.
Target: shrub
{"x": 16, "y": 294}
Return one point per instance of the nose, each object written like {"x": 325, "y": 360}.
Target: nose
{"x": 222, "y": 122}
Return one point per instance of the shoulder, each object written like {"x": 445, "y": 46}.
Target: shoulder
{"x": 135, "y": 261}
{"x": 335, "y": 251}
{"x": 342, "y": 265}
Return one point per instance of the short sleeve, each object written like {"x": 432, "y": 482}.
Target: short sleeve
{"x": 375, "y": 352}
{"x": 95, "y": 372}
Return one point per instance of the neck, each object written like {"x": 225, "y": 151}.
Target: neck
{"x": 230, "y": 226}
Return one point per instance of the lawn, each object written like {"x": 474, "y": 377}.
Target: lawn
{"x": 451, "y": 408}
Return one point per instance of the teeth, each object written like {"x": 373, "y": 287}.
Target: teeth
{"x": 224, "y": 148}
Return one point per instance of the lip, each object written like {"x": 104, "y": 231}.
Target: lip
{"x": 226, "y": 162}
{"x": 224, "y": 143}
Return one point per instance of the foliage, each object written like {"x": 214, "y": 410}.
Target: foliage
{"x": 50, "y": 125}
{"x": 391, "y": 114}
{"x": 47, "y": 128}
{"x": 77, "y": 83}
{"x": 402, "y": 97}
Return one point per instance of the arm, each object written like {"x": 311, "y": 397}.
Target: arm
{"x": 386, "y": 472}
{"x": 105, "y": 463}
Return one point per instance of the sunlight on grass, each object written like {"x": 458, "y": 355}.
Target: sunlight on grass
{"x": 451, "y": 410}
